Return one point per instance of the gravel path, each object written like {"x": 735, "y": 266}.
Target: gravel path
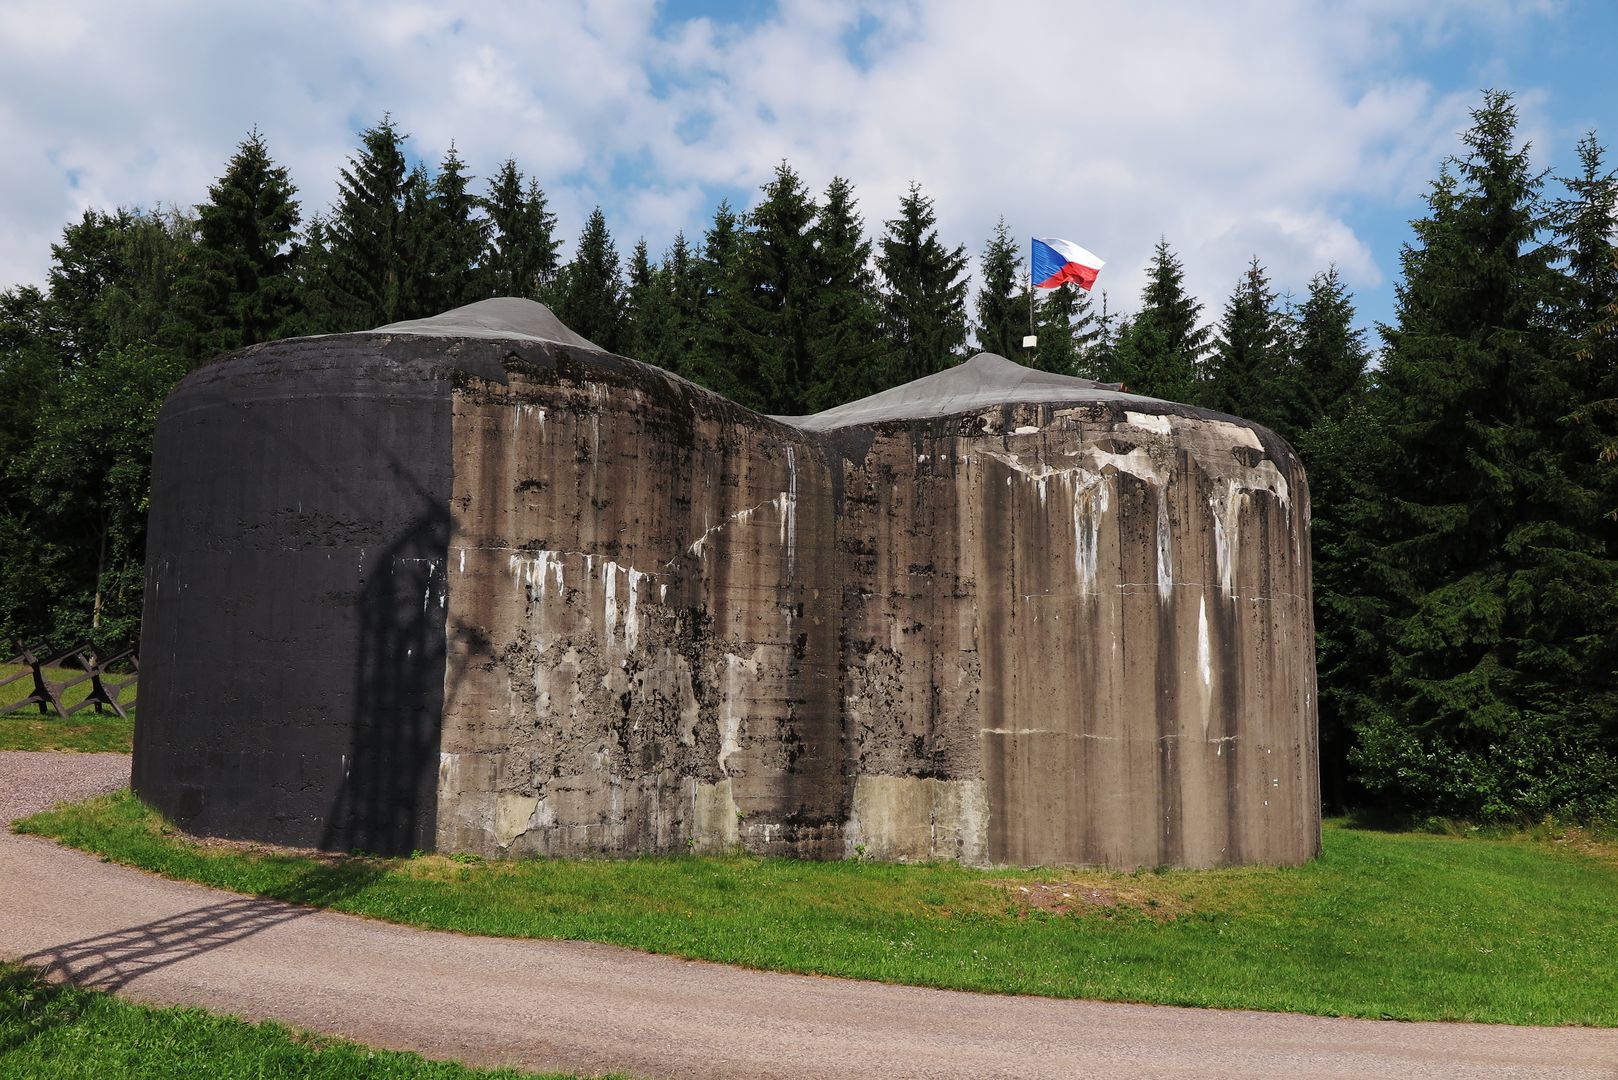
{"x": 592, "y": 1008}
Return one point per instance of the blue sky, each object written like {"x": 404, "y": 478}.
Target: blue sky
{"x": 1304, "y": 134}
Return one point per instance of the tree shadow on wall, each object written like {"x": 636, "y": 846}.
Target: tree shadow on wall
{"x": 387, "y": 802}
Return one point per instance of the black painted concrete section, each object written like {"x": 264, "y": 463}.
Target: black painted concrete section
{"x": 293, "y": 648}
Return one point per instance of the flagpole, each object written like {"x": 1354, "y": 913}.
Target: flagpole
{"x": 1031, "y": 331}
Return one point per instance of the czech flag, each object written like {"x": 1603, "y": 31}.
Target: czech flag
{"x": 1057, "y": 262}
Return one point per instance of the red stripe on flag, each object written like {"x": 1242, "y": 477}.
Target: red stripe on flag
{"x": 1082, "y": 276}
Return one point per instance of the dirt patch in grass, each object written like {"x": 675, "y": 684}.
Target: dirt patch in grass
{"x": 1084, "y": 897}
{"x": 262, "y": 850}
{"x": 1584, "y": 842}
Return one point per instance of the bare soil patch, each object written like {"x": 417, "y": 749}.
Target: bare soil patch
{"x": 1087, "y": 897}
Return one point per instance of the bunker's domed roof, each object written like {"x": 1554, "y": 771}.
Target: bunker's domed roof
{"x": 503, "y": 318}
{"x": 982, "y": 382}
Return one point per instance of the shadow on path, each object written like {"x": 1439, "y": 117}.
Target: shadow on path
{"x": 112, "y": 960}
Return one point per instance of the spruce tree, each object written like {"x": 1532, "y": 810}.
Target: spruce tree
{"x": 416, "y": 247}
{"x": 1329, "y": 356}
{"x": 1477, "y": 678}
{"x": 317, "y": 303}
{"x": 1002, "y": 300}
{"x": 778, "y": 268}
{"x": 845, "y": 336}
{"x": 923, "y": 290}
{"x": 677, "y": 287}
{"x": 1584, "y": 223}
{"x": 363, "y": 231}
{"x": 721, "y": 361}
{"x": 1580, "y": 588}
{"x": 458, "y": 235}
{"x": 1247, "y": 368}
{"x": 521, "y": 258}
{"x": 590, "y": 296}
{"x": 1161, "y": 353}
{"x": 1344, "y": 453}
{"x": 238, "y": 287}
{"x": 645, "y": 306}
{"x": 1335, "y": 434}
{"x": 1098, "y": 359}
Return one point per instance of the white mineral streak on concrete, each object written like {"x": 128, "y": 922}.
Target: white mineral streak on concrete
{"x": 1137, "y": 463}
{"x": 1156, "y": 423}
{"x": 1204, "y": 660}
{"x": 533, "y": 570}
{"x": 631, "y": 622}
{"x": 1091, "y": 499}
{"x": 740, "y": 675}
{"x": 1226, "y": 505}
{"x": 610, "y": 611}
{"x": 1222, "y": 549}
{"x": 1165, "y": 548}
{"x": 1089, "y": 476}
{"x": 1025, "y": 429}
{"x": 526, "y": 410}
{"x": 1236, "y": 434}
{"x": 742, "y": 516}
{"x": 1266, "y": 477}
{"x": 788, "y": 505}
{"x": 427, "y": 594}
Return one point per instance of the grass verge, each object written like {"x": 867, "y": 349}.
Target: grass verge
{"x": 1408, "y": 926}
{"x": 86, "y": 731}
{"x": 49, "y": 1031}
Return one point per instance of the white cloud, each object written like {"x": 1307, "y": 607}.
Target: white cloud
{"x": 1231, "y": 129}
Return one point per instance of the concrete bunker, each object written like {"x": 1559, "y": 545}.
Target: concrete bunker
{"x": 472, "y": 584}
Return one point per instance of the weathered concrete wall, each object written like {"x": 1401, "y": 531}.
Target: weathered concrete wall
{"x": 1000, "y": 617}
{"x": 1085, "y": 634}
{"x": 642, "y": 641}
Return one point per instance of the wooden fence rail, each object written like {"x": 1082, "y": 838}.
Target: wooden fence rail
{"x": 48, "y": 696}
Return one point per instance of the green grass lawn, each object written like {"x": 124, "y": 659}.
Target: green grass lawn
{"x": 53, "y": 1032}
{"x": 1412, "y": 926}
{"x": 87, "y": 730}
